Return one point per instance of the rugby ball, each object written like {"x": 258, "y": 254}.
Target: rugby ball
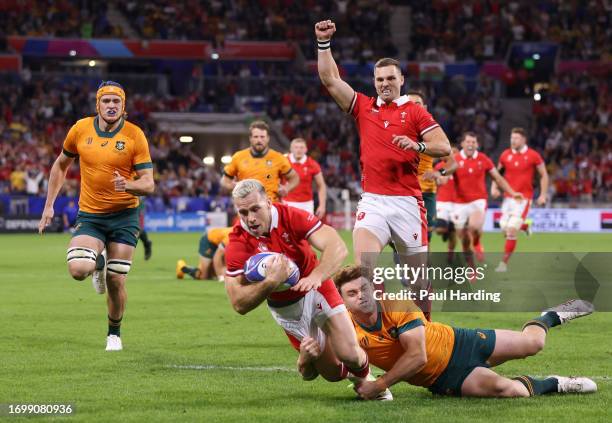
{"x": 255, "y": 269}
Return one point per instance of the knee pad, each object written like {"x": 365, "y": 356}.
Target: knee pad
{"x": 81, "y": 254}
{"x": 118, "y": 266}
{"x": 514, "y": 222}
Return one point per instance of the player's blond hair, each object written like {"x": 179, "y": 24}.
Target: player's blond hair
{"x": 247, "y": 186}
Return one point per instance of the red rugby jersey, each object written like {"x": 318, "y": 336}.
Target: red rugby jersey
{"x": 307, "y": 168}
{"x": 445, "y": 192}
{"x": 470, "y": 176}
{"x": 520, "y": 168}
{"x": 385, "y": 168}
{"x": 289, "y": 232}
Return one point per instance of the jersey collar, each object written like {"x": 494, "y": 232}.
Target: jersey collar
{"x": 465, "y": 157}
{"x": 378, "y": 325}
{"x": 400, "y": 101}
{"x": 523, "y": 150}
{"x": 258, "y": 155}
{"x": 273, "y": 221}
{"x": 111, "y": 134}
{"x": 292, "y": 159}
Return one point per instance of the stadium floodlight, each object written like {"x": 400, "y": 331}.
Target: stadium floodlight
{"x": 185, "y": 138}
{"x": 208, "y": 160}
{"x": 226, "y": 159}
{"x": 537, "y": 96}
{"x": 536, "y": 56}
{"x": 214, "y": 56}
{"x": 72, "y": 53}
{"x": 92, "y": 63}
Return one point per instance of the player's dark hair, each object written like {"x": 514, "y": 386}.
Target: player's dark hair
{"x": 520, "y": 131}
{"x": 387, "y": 61}
{"x": 259, "y": 124}
{"x": 350, "y": 273}
{"x": 110, "y": 84}
{"x": 468, "y": 134}
{"x": 418, "y": 93}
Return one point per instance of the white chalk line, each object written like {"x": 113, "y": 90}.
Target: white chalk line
{"x": 232, "y": 368}
{"x": 288, "y": 369}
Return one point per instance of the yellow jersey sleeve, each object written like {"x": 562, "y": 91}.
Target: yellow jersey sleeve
{"x": 142, "y": 157}
{"x": 285, "y": 165}
{"x": 70, "y": 143}
{"x": 425, "y": 164}
{"x": 231, "y": 169}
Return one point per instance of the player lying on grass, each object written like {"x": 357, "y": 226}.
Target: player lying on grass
{"x": 444, "y": 359}
{"x": 312, "y": 308}
{"x": 212, "y": 256}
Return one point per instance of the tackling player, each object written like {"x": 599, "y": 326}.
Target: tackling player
{"x": 115, "y": 169}
{"x": 310, "y": 310}
{"x": 308, "y": 171}
{"x": 445, "y": 359}
{"x": 261, "y": 162}
{"x": 212, "y": 256}
{"x": 519, "y": 164}
{"x": 471, "y": 194}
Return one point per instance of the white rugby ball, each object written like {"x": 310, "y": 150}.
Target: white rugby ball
{"x": 255, "y": 269}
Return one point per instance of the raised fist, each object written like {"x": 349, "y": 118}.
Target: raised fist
{"x": 324, "y": 30}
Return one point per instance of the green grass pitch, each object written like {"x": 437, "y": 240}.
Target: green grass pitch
{"x": 188, "y": 356}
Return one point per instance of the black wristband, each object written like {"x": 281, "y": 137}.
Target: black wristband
{"x": 324, "y": 44}
{"x": 443, "y": 172}
{"x": 421, "y": 147}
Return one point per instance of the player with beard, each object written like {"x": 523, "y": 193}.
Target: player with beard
{"x": 261, "y": 162}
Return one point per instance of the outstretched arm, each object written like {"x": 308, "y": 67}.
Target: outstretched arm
{"x": 504, "y": 185}
{"x": 341, "y": 92}
{"x": 57, "y": 176}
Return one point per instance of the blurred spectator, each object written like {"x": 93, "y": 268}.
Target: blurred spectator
{"x": 69, "y": 216}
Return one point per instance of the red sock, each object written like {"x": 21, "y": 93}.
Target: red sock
{"x": 451, "y": 255}
{"x": 363, "y": 371}
{"x": 343, "y": 370}
{"x": 476, "y": 239}
{"x": 524, "y": 227}
{"x": 509, "y": 249}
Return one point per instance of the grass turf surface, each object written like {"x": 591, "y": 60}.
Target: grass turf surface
{"x": 187, "y": 355}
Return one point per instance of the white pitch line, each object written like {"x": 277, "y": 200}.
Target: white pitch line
{"x": 288, "y": 369}
{"x": 234, "y": 368}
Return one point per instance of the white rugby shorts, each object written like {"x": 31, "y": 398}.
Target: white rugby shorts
{"x": 303, "y": 205}
{"x": 514, "y": 213}
{"x": 444, "y": 210}
{"x": 463, "y": 211}
{"x": 402, "y": 219}
{"x": 308, "y": 316}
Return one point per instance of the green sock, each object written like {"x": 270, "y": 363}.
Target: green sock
{"x": 191, "y": 271}
{"x": 539, "y": 386}
{"x": 550, "y": 319}
{"x": 144, "y": 236}
{"x": 114, "y": 326}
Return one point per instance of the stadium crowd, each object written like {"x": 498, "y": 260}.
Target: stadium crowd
{"x": 571, "y": 122}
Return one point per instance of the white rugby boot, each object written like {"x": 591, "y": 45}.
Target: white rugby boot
{"x": 571, "y": 310}
{"x": 113, "y": 343}
{"x": 575, "y": 385}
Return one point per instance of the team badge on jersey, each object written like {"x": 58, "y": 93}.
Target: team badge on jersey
{"x": 89, "y": 140}
{"x": 269, "y": 163}
{"x": 120, "y": 145}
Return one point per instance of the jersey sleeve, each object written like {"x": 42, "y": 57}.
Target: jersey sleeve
{"x": 303, "y": 223}
{"x": 537, "y": 159}
{"x": 231, "y": 169}
{"x": 423, "y": 121}
{"x": 316, "y": 168}
{"x": 357, "y": 105}
{"x": 406, "y": 320}
{"x": 69, "y": 147}
{"x": 285, "y": 164}
{"x": 142, "y": 157}
{"x": 236, "y": 255}
{"x": 487, "y": 163}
